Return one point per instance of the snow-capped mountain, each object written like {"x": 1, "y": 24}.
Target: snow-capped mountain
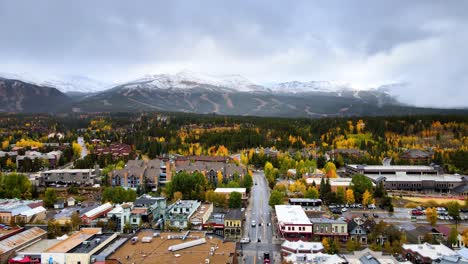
{"x": 189, "y": 80}
{"x": 66, "y": 84}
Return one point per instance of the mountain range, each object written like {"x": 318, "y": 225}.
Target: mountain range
{"x": 200, "y": 93}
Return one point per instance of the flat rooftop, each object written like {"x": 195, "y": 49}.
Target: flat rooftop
{"x": 412, "y": 178}
{"x": 90, "y": 243}
{"x": 157, "y": 249}
{"x": 291, "y": 214}
{"x": 39, "y": 247}
{"x": 392, "y": 167}
{"x": 74, "y": 240}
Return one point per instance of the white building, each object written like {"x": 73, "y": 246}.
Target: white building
{"x": 314, "y": 258}
{"x": 293, "y": 223}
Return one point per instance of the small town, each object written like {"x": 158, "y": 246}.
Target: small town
{"x": 233, "y": 132}
{"x": 95, "y": 200}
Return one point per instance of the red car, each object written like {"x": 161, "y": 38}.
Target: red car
{"x": 416, "y": 212}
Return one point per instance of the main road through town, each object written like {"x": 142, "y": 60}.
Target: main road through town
{"x": 262, "y": 237}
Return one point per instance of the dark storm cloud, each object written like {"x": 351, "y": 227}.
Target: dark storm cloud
{"x": 364, "y": 43}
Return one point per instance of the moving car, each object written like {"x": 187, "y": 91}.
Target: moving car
{"x": 254, "y": 224}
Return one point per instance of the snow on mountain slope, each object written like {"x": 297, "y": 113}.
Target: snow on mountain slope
{"x": 65, "y": 84}
{"x": 188, "y": 80}
{"x": 312, "y": 86}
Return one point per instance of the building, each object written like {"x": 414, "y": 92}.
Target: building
{"x": 330, "y": 228}
{"x": 300, "y": 247}
{"x": 158, "y": 172}
{"x": 34, "y": 251}
{"x": 71, "y": 201}
{"x": 78, "y": 248}
{"x": 335, "y": 183}
{"x": 98, "y": 212}
{"x": 120, "y": 215}
{"x": 307, "y": 204}
{"x": 10, "y": 245}
{"x": 359, "y": 228}
{"x": 59, "y": 203}
{"x": 314, "y": 258}
{"x": 293, "y": 223}
{"x": 178, "y": 214}
{"x": 416, "y": 156}
{"x": 201, "y": 216}
{"x": 116, "y": 150}
{"x": 31, "y": 215}
{"x": 200, "y": 249}
{"x": 411, "y": 177}
{"x": 10, "y": 208}
{"x": 156, "y": 207}
{"x": 425, "y": 253}
{"x": 152, "y": 173}
{"x": 80, "y": 177}
{"x": 215, "y": 224}
{"x": 52, "y": 158}
{"x": 233, "y": 224}
{"x": 383, "y": 170}
{"x": 227, "y": 192}
{"x": 368, "y": 256}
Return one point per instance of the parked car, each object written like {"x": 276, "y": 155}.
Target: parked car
{"x": 344, "y": 209}
{"x": 416, "y": 212}
{"x": 245, "y": 240}
{"x": 371, "y": 206}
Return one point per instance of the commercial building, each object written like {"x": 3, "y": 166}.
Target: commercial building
{"x": 10, "y": 245}
{"x": 156, "y": 207}
{"x": 335, "y": 183}
{"x": 324, "y": 227}
{"x": 120, "y": 215}
{"x": 10, "y": 208}
{"x": 86, "y": 177}
{"x": 411, "y": 177}
{"x": 31, "y": 215}
{"x": 367, "y": 256}
{"x": 233, "y": 220}
{"x": 100, "y": 211}
{"x": 300, "y": 247}
{"x": 314, "y": 258}
{"x": 201, "y": 216}
{"x": 426, "y": 253}
{"x": 179, "y": 213}
{"x": 148, "y": 249}
{"x": 78, "y": 248}
{"x": 215, "y": 224}
{"x": 384, "y": 170}
{"x": 293, "y": 223}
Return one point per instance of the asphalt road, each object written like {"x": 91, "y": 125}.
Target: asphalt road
{"x": 261, "y": 236}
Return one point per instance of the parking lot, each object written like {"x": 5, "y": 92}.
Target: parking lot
{"x": 400, "y": 215}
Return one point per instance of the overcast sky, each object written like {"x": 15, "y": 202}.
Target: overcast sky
{"x": 422, "y": 44}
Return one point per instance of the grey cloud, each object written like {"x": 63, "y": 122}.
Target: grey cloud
{"x": 368, "y": 43}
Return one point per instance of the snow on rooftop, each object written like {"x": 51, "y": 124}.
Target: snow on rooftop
{"x": 303, "y": 245}
{"x": 291, "y": 214}
{"x": 427, "y": 250}
{"x": 33, "y": 211}
{"x": 98, "y": 210}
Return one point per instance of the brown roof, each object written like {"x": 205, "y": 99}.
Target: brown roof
{"x": 74, "y": 240}
{"x": 157, "y": 249}
{"x": 139, "y": 211}
{"x": 21, "y": 239}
